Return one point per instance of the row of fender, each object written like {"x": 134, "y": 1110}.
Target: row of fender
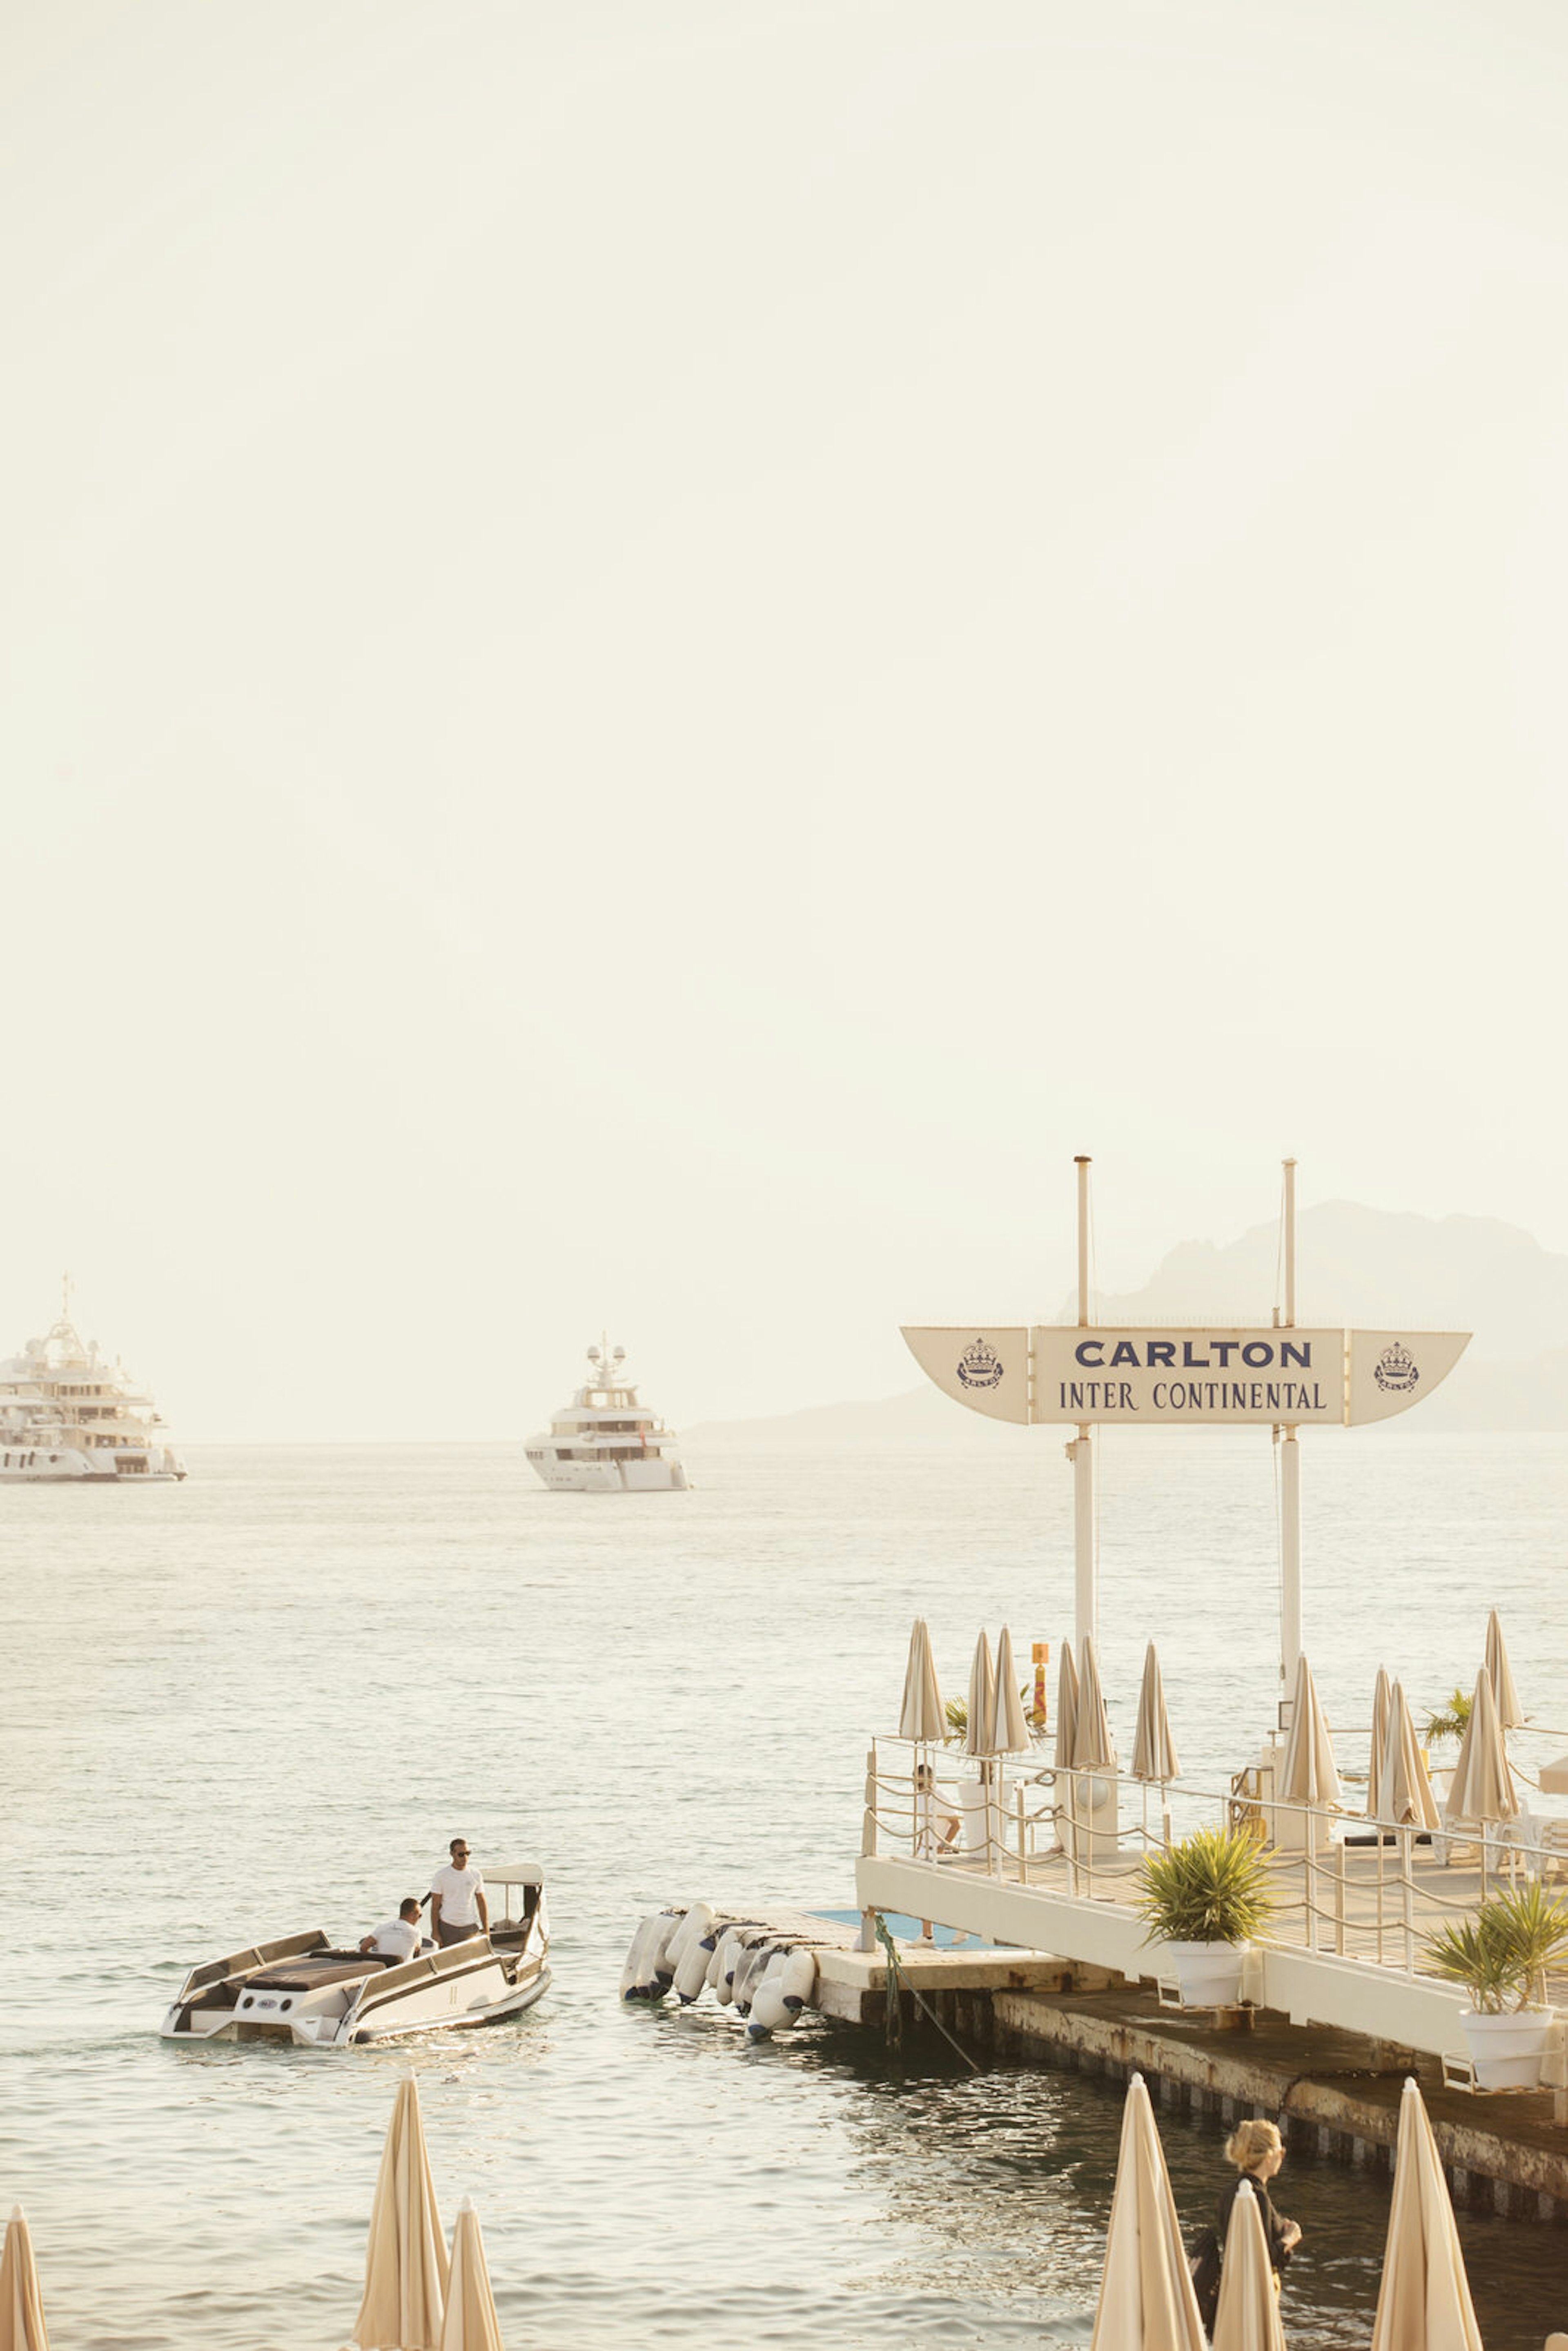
{"x": 767, "y": 1979}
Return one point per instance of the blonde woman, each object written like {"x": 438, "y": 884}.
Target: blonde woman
{"x": 1257, "y": 2150}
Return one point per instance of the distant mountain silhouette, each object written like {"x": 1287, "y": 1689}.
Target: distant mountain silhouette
{"x": 1371, "y": 1269}
{"x": 1367, "y": 1267}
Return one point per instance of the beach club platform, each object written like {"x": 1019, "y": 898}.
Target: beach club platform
{"x": 1054, "y": 1868}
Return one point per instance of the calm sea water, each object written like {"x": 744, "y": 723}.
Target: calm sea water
{"x": 266, "y": 1700}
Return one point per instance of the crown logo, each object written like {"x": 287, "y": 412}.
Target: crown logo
{"x": 979, "y": 1366}
{"x": 1395, "y": 1371}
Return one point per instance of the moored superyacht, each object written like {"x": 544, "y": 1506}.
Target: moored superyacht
{"x": 605, "y": 1442}
{"x": 68, "y": 1414}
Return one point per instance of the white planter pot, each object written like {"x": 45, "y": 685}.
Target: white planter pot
{"x": 1210, "y": 1974}
{"x": 1507, "y": 2051}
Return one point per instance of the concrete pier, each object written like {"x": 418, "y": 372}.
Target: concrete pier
{"x": 1335, "y": 2092}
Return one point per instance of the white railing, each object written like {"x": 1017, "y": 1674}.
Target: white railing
{"x": 1027, "y": 1824}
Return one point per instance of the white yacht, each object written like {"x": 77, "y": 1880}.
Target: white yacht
{"x": 304, "y": 1990}
{"x": 68, "y": 1413}
{"x": 605, "y": 1442}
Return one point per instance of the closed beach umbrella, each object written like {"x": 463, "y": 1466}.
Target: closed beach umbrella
{"x": 1482, "y": 1786}
{"x": 1247, "y": 2317}
{"x": 1403, "y": 1791}
{"x": 1146, "y": 2301}
{"x": 1092, "y": 1748}
{"x": 921, "y": 1717}
{"x": 21, "y": 2324}
{"x": 1154, "y": 1749}
{"x": 1423, "y": 2302}
{"x": 1009, "y": 1729}
{"x": 1509, "y": 1710}
{"x": 1066, "y": 1709}
{"x": 982, "y": 1700}
{"x": 1382, "y": 1706}
{"x": 405, "y": 2261}
{"x": 1309, "y": 1774}
{"x": 471, "y": 2322}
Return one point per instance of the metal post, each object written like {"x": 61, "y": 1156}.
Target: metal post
{"x": 1081, "y": 1450}
{"x": 1289, "y": 1481}
{"x": 1407, "y": 1895}
{"x": 1289, "y": 1561}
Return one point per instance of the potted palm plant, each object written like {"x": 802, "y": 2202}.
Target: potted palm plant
{"x": 1500, "y": 1957}
{"x": 1445, "y": 1724}
{"x": 1204, "y": 1899}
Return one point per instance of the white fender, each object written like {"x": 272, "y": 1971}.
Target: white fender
{"x": 731, "y": 1951}
{"x": 655, "y": 1973}
{"x": 697, "y": 1922}
{"x": 633, "y": 1973}
{"x": 798, "y": 1980}
{"x": 717, "y": 1978}
{"x": 692, "y": 1974}
{"x": 769, "y": 2013}
{"x": 748, "y": 1974}
{"x": 663, "y": 1967}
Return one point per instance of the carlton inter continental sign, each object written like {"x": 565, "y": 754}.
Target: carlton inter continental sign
{"x": 1174, "y": 1376}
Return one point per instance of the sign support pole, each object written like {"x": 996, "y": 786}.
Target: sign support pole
{"x": 1290, "y": 1480}
{"x": 1081, "y": 1450}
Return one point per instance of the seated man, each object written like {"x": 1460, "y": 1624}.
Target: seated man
{"x": 936, "y": 1821}
{"x": 399, "y": 1938}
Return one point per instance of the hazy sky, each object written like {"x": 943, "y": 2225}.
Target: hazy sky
{"x": 657, "y": 654}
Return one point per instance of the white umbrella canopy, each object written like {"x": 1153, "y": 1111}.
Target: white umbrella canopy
{"x": 471, "y": 2321}
{"x": 1382, "y": 1708}
{"x": 1403, "y": 1790}
{"x": 1509, "y": 1712}
{"x": 21, "y": 2324}
{"x": 1066, "y": 1709}
{"x": 1247, "y": 2316}
{"x": 1154, "y": 1750}
{"x": 1092, "y": 1746}
{"x": 1009, "y": 1728}
{"x": 1482, "y": 1786}
{"x": 921, "y": 1716}
{"x": 982, "y": 1700}
{"x": 1423, "y": 2302}
{"x": 1309, "y": 1774}
{"x": 405, "y": 2261}
{"x": 1146, "y": 2301}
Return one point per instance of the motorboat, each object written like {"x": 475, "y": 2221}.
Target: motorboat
{"x": 605, "y": 1442}
{"x": 304, "y": 1988}
{"x": 68, "y": 1415}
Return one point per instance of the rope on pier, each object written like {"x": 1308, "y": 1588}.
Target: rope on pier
{"x": 897, "y": 1982}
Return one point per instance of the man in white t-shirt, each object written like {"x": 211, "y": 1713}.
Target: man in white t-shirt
{"x": 457, "y": 1903}
{"x": 399, "y": 1938}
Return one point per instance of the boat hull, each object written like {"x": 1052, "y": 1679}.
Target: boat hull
{"x": 456, "y": 2006}
{"x": 653, "y": 1476}
{"x": 40, "y": 1466}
